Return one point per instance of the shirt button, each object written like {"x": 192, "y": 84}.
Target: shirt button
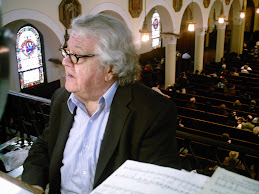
{"x": 87, "y": 147}
{"x": 84, "y": 172}
{"x": 91, "y": 121}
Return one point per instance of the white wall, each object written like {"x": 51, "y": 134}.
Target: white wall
{"x": 44, "y": 15}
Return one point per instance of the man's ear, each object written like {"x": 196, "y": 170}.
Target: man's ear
{"x": 109, "y": 73}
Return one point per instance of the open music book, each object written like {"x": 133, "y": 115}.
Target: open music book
{"x": 10, "y": 185}
{"x": 141, "y": 178}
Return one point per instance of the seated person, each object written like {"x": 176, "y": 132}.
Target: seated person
{"x": 223, "y": 110}
{"x": 233, "y": 160}
{"x": 185, "y": 162}
{"x": 235, "y": 73}
{"x": 222, "y": 83}
{"x": 237, "y": 105}
{"x": 103, "y": 116}
{"x": 191, "y": 103}
{"x": 256, "y": 131}
{"x": 252, "y": 106}
{"x": 230, "y": 89}
{"x": 239, "y": 123}
{"x": 157, "y": 89}
{"x": 245, "y": 69}
{"x": 183, "y": 81}
{"x": 232, "y": 119}
{"x": 247, "y": 125}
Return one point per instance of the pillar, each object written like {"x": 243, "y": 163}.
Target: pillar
{"x": 170, "y": 61}
{"x": 235, "y": 34}
{"x": 256, "y": 22}
{"x": 199, "y": 49}
{"x": 242, "y": 31}
{"x": 220, "y": 41}
{"x": 207, "y": 39}
{"x": 241, "y": 36}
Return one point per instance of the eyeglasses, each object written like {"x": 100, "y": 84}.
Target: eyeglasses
{"x": 73, "y": 57}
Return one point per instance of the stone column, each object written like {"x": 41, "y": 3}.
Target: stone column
{"x": 242, "y": 31}
{"x": 235, "y": 35}
{"x": 256, "y": 22}
{"x": 207, "y": 39}
{"x": 170, "y": 60}
{"x": 220, "y": 41}
{"x": 241, "y": 36}
{"x": 199, "y": 49}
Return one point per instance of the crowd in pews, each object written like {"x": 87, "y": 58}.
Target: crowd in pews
{"x": 226, "y": 103}
{"x": 219, "y": 103}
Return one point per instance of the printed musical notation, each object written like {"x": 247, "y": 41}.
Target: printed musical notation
{"x": 141, "y": 178}
{"x": 223, "y": 181}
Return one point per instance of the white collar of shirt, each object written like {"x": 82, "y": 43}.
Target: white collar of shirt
{"x": 107, "y": 97}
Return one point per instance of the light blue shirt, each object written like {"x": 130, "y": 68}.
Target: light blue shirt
{"x": 82, "y": 148}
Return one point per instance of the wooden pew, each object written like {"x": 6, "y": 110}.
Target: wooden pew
{"x": 215, "y": 136}
{"x": 219, "y": 129}
{"x": 212, "y": 109}
{"x": 203, "y": 99}
{"x": 213, "y": 117}
{"x": 207, "y": 152}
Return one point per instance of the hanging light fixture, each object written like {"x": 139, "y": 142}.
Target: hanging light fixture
{"x": 144, "y": 31}
{"x": 191, "y": 23}
{"x": 257, "y": 8}
{"x": 242, "y": 11}
{"x": 221, "y": 18}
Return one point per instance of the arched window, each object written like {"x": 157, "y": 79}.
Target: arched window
{"x": 29, "y": 57}
{"x": 156, "y": 30}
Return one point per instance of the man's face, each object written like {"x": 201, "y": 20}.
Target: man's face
{"x": 86, "y": 79}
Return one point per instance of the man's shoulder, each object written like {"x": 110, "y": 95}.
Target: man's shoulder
{"x": 144, "y": 95}
{"x": 144, "y": 91}
{"x": 61, "y": 94}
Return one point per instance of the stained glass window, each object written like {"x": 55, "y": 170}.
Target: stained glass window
{"x": 29, "y": 57}
{"x": 156, "y": 30}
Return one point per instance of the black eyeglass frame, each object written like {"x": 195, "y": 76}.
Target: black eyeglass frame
{"x": 64, "y": 53}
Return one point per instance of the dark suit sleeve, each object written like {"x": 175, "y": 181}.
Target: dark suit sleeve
{"x": 36, "y": 165}
{"x": 158, "y": 145}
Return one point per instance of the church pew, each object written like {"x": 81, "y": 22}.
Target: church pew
{"x": 217, "y": 128}
{"x": 203, "y": 99}
{"x": 215, "y": 136}
{"x": 213, "y": 117}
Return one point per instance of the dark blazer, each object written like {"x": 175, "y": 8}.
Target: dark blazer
{"x": 141, "y": 127}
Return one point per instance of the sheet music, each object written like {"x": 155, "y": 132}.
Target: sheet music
{"x": 142, "y": 178}
{"x": 6, "y": 187}
{"x": 226, "y": 182}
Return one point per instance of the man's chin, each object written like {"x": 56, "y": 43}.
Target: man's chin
{"x": 70, "y": 88}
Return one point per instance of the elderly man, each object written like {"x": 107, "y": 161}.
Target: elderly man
{"x": 103, "y": 116}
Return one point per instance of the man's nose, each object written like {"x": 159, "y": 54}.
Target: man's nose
{"x": 66, "y": 61}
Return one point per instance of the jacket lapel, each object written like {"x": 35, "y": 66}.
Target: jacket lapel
{"x": 118, "y": 115}
{"x": 66, "y": 125}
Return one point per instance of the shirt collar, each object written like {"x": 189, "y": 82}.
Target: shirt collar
{"x": 109, "y": 94}
{"x": 106, "y": 98}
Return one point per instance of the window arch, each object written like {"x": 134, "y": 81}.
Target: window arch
{"x": 29, "y": 57}
{"x": 156, "y": 30}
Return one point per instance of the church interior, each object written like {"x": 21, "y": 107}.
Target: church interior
{"x": 203, "y": 54}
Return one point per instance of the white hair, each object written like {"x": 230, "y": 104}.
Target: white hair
{"x": 115, "y": 44}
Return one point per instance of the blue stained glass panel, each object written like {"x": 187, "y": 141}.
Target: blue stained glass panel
{"x": 29, "y": 57}
{"x": 156, "y": 30}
